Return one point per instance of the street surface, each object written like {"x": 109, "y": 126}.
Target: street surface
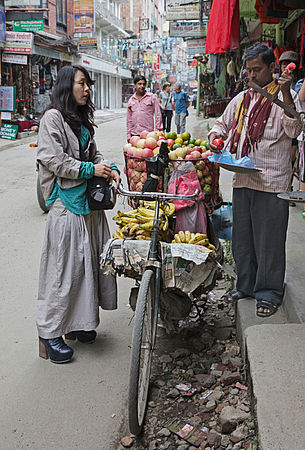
{"x": 43, "y": 405}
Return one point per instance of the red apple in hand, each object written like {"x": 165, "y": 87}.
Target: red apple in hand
{"x": 219, "y": 144}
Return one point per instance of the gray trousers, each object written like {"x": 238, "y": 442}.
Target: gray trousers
{"x": 260, "y": 221}
{"x": 180, "y": 120}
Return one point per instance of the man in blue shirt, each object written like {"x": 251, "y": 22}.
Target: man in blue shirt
{"x": 180, "y": 104}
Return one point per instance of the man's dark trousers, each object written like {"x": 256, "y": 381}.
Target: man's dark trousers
{"x": 260, "y": 221}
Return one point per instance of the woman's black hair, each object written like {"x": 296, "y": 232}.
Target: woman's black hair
{"x": 63, "y": 100}
{"x": 258, "y": 49}
{"x": 138, "y": 78}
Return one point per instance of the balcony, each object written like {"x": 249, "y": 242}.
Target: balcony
{"x": 107, "y": 21}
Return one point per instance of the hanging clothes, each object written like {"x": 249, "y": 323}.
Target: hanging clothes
{"x": 224, "y": 27}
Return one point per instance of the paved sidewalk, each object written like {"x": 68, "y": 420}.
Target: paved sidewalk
{"x": 28, "y": 137}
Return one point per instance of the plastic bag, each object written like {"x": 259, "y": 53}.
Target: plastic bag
{"x": 193, "y": 219}
{"x": 184, "y": 181}
{"x": 227, "y": 158}
{"x": 222, "y": 220}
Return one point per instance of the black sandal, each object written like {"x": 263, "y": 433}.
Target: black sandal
{"x": 265, "y": 304}
{"x": 233, "y": 296}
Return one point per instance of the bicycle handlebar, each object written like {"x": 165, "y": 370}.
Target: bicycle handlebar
{"x": 156, "y": 195}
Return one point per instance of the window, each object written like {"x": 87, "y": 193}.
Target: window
{"x": 61, "y": 15}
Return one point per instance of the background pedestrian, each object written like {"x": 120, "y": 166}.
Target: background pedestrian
{"x": 143, "y": 110}
{"x": 71, "y": 284}
{"x": 165, "y": 101}
{"x": 180, "y": 105}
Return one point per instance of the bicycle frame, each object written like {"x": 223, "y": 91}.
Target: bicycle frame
{"x": 153, "y": 261}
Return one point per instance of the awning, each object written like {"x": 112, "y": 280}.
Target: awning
{"x": 223, "y": 28}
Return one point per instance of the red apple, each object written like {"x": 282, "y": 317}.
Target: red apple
{"x": 161, "y": 137}
{"x": 170, "y": 142}
{"x": 188, "y": 150}
{"x": 150, "y": 143}
{"x": 140, "y": 143}
{"x": 195, "y": 155}
{"x": 143, "y": 177}
{"x": 138, "y": 187}
{"x": 152, "y": 134}
{"x": 219, "y": 144}
{"x": 143, "y": 134}
{"x": 138, "y": 152}
{"x": 188, "y": 157}
{"x": 134, "y": 139}
{"x": 126, "y": 147}
{"x": 160, "y": 142}
{"x": 197, "y": 148}
{"x": 147, "y": 152}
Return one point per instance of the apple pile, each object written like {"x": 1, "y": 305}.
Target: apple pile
{"x": 136, "y": 151}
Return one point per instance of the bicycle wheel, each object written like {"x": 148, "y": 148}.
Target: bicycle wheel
{"x": 142, "y": 352}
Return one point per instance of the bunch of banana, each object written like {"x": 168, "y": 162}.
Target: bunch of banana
{"x": 186, "y": 237}
{"x": 138, "y": 223}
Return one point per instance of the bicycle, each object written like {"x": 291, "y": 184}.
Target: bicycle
{"x": 146, "y": 315}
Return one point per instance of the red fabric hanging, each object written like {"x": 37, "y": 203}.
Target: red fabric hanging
{"x": 224, "y": 26}
{"x": 261, "y": 11}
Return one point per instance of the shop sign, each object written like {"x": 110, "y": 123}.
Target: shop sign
{"x": 7, "y": 98}
{"x": 83, "y": 16}
{"x": 188, "y": 29}
{"x": 196, "y": 46}
{"x": 182, "y": 10}
{"x": 21, "y": 3}
{"x": 193, "y": 84}
{"x": 2, "y": 22}
{"x": 87, "y": 44}
{"x": 165, "y": 66}
{"x": 65, "y": 57}
{"x": 160, "y": 74}
{"x": 12, "y": 58}
{"x": 28, "y": 25}
{"x": 8, "y": 131}
{"x": 151, "y": 58}
{"x": 18, "y": 42}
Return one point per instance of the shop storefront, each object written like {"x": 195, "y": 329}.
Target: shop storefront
{"x": 109, "y": 81}
{"x": 32, "y": 68}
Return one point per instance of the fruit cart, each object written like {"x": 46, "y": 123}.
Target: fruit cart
{"x": 172, "y": 271}
{"x": 181, "y": 148}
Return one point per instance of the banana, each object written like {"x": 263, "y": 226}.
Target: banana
{"x": 192, "y": 235}
{"x": 147, "y": 226}
{"x": 212, "y": 247}
{"x": 187, "y": 236}
{"x": 165, "y": 224}
{"x": 203, "y": 242}
{"x": 133, "y": 229}
{"x": 118, "y": 234}
{"x": 169, "y": 209}
{"x": 182, "y": 236}
{"x": 177, "y": 239}
{"x": 198, "y": 237}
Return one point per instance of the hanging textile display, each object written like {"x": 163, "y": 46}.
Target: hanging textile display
{"x": 224, "y": 26}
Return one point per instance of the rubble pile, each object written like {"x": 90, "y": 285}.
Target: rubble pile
{"x": 199, "y": 397}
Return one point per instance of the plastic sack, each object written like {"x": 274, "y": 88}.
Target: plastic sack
{"x": 222, "y": 220}
{"x": 227, "y": 158}
{"x": 184, "y": 181}
{"x": 193, "y": 219}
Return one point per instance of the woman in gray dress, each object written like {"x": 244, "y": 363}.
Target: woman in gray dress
{"x": 71, "y": 285}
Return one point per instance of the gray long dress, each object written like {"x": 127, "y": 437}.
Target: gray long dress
{"x": 71, "y": 284}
